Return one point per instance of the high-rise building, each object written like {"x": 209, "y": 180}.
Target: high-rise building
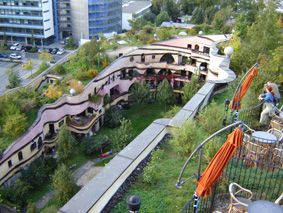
{"x": 91, "y": 17}
{"x": 62, "y": 18}
{"x": 29, "y": 21}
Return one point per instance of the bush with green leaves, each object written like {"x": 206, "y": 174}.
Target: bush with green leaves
{"x": 14, "y": 79}
{"x": 94, "y": 144}
{"x": 65, "y": 144}
{"x": 211, "y": 117}
{"x": 59, "y": 69}
{"x": 113, "y": 117}
{"x": 140, "y": 92}
{"x": 190, "y": 89}
{"x": 123, "y": 135}
{"x": 152, "y": 171}
{"x": 171, "y": 112}
{"x": 187, "y": 137}
{"x": 165, "y": 94}
{"x": 211, "y": 148}
{"x": 63, "y": 184}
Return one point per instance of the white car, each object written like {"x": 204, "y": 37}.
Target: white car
{"x": 60, "y": 51}
{"x": 14, "y": 46}
{"x": 15, "y": 56}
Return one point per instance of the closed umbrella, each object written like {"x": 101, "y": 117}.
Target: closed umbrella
{"x": 242, "y": 89}
{"x": 218, "y": 163}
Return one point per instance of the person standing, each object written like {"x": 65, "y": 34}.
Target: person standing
{"x": 268, "y": 105}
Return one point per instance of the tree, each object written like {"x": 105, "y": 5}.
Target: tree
{"x": 70, "y": 43}
{"x": 45, "y": 56}
{"x": 14, "y": 124}
{"x": 63, "y": 184}
{"x": 28, "y": 65}
{"x": 162, "y": 16}
{"x": 59, "y": 69}
{"x": 65, "y": 144}
{"x": 113, "y": 117}
{"x": 14, "y": 78}
{"x": 123, "y": 135}
{"x": 140, "y": 93}
{"x": 190, "y": 89}
{"x": 164, "y": 33}
{"x": 165, "y": 93}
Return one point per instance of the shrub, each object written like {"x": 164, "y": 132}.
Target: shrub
{"x": 186, "y": 138}
{"x": 113, "y": 117}
{"x": 165, "y": 93}
{"x": 171, "y": 112}
{"x": 77, "y": 86}
{"x": 63, "y": 184}
{"x": 211, "y": 118}
{"x": 59, "y": 69}
{"x": 152, "y": 172}
{"x": 190, "y": 89}
{"x": 14, "y": 125}
{"x": 50, "y": 209}
{"x": 14, "y": 79}
{"x": 123, "y": 135}
{"x": 91, "y": 145}
{"x": 53, "y": 92}
{"x": 211, "y": 148}
{"x": 141, "y": 93}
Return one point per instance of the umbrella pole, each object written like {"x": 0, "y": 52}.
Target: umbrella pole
{"x": 196, "y": 202}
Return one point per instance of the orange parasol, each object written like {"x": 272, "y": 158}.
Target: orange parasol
{"x": 219, "y": 161}
{"x": 235, "y": 103}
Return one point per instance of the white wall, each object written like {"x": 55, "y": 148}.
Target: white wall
{"x": 79, "y": 16}
{"x": 125, "y": 21}
{"x": 48, "y": 15}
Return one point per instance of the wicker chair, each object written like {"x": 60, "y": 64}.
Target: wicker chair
{"x": 238, "y": 203}
{"x": 277, "y": 133}
{"x": 255, "y": 154}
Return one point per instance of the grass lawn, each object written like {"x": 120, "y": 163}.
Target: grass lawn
{"x": 163, "y": 196}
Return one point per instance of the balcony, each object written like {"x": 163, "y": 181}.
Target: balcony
{"x": 22, "y": 34}
{"x": 79, "y": 121}
{"x": 9, "y": 7}
{"x": 22, "y": 17}
{"x": 24, "y": 26}
{"x": 50, "y": 137}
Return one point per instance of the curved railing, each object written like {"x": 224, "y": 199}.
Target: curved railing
{"x": 257, "y": 165}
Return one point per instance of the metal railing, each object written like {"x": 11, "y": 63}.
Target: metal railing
{"x": 257, "y": 165}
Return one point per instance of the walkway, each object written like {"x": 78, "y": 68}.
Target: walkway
{"x": 81, "y": 175}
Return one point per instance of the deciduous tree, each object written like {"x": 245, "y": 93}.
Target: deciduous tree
{"x": 165, "y": 93}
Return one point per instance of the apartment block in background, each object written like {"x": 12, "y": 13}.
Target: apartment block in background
{"x": 28, "y": 21}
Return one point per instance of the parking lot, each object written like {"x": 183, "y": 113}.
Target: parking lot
{"x": 24, "y": 74}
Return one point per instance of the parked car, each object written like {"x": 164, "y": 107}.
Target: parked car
{"x": 60, "y": 51}
{"x": 14, "y": 46}
{"x": 26, "y": 48}
{"x": 19, "y": 48}
{"x": 50, "y": 50}
{"x": 15, "y": 56}
{"x": 2, "y": 55}
{"x": 54, "y": 51}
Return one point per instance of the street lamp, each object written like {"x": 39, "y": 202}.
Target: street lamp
{"x": 134, "y": 203}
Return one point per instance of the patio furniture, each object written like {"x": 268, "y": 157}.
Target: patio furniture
{"x": 240, "y": 198}
{"x": 255, "y": 153}
{"x": 264, "y": 206}
{"x": 264, "y": 137}
{"x": 278, "y": 134}
{"x": 278, "y": 157}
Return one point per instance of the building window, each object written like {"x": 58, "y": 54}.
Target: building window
{"x": 20, "y": 156}
{"x": 47, "y": 29}
{"x": 39, "y": 143}
{"x": 10, "y": 164}
{"x": 46, "y": 20}
{"x": 33, "y": 146}
{"x": 153, "y": 57}
{"x": 189, "y": 46}
{"x": 45, "y": 2}
{"x": 131, "y": 59}
{"x": 46, "y": 11}
{"x": 61, "y": 123}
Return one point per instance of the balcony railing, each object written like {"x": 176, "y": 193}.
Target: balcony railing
{"x": 80, "y": 121}
{"x": 256, "y": 166}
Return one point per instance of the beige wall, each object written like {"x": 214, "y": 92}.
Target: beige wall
{"x": 79, "y": 16}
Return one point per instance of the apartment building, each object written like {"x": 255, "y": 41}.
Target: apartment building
{"x": 92, "y": 17}
{"x": 62, "y": 19}
{"x": 29, "y": 21}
